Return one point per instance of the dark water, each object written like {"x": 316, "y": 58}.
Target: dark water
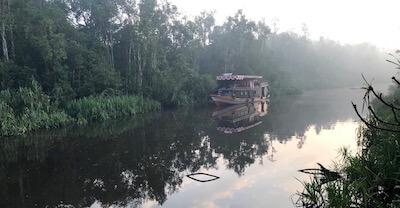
{"x": 255, "y": 150}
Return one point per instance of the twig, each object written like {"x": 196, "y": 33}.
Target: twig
{"x": 380, "y": 98}
{"x": 395, "y": 116}
{"x": 379, "y": 119}
{"x": 369, "y": 124}
{"x": 396, "y": 81}
{"x": 395, "y": 63}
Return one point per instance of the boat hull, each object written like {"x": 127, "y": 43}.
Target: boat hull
{"x": 229, "y": 100}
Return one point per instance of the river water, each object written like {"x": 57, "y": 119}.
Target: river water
{"x": 255, "y": 150}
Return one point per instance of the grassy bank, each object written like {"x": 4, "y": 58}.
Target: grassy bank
{"x": 100, "y": 108}
{"x": 371, "y": 178}
{"x": 29, "y": 109}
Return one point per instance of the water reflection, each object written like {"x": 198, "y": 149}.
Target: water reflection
{"x": 146, "y": 159}
{"x": 238, "y": 118}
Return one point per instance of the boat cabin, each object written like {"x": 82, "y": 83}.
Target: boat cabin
{"x": 239, "y": 89}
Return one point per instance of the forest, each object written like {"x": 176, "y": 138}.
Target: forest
{"x": 77, "y": 61}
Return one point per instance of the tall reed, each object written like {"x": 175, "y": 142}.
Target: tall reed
{"x": 102, "y": 108}
{"x": 28, "y": 109}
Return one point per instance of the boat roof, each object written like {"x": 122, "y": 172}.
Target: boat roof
{"x": 230, "y": 76}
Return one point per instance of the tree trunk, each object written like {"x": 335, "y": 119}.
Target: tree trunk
{"x": 12, "y": 43}
{"x": 11, "y": 32}
{"x": 4, "y": 41}
{"x": 129, "y": 69}
{"x": 153, "y": 59}
{"x": 3, "y": 31}
{"x": 111, "y": 50}
{"x": 140, "y": 70}
{"x": 204, "y": 37}
{"x": 107, "y": 45}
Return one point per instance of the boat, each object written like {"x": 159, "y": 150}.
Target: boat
{"x": 240, "y": 89}
{"x": 238, "y": 118}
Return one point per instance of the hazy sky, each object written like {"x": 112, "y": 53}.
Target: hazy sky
{"x": 346, "y": 21}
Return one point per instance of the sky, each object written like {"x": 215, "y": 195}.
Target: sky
{"x": 346, "y": 21}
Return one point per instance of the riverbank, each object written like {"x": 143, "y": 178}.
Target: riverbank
{"x": 28, "y": 109}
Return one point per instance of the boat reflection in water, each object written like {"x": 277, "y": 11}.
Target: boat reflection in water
{"x": 238, "y": 118}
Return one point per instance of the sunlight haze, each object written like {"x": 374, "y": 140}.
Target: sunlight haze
{"x": 345, "y": 21}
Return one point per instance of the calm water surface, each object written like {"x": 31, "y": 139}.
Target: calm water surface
{"x": 255, "y": 150}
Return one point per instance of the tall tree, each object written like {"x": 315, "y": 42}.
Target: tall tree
{"x": 4, "y": 17}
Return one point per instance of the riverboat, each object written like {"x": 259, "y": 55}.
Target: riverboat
{"x": 240, "y": 89}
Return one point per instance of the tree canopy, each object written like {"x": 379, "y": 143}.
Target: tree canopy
{"x": 78, "y": 48}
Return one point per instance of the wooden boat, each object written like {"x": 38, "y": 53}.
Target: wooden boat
{"x": 240, "y": 89}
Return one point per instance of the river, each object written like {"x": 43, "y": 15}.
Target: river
{"x": 255, "y": 150}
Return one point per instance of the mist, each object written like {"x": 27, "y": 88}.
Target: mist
{"x": 291, "y": 61}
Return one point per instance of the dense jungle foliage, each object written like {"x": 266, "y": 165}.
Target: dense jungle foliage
{"x": 75, "y": 49}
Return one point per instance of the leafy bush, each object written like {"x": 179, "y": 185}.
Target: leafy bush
{"x": 189, "y": 88}
{"x": 13, "y": 76}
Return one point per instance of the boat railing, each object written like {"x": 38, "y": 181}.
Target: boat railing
{"x": 237, "y": 88}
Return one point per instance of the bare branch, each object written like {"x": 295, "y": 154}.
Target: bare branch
{"x": 369, "y": 124}
{"x": 395, "y": 116}
{"x": 380, "y": 98}
{"x": 379, "y": 119}
{"x": 398, "y": 61}
{"x": 396, "y": 81}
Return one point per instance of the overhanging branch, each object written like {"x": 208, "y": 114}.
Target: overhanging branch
{"x": 371, "y": 125}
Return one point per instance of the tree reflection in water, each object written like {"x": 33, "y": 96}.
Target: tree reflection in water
{"x": 147, "y": 158}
